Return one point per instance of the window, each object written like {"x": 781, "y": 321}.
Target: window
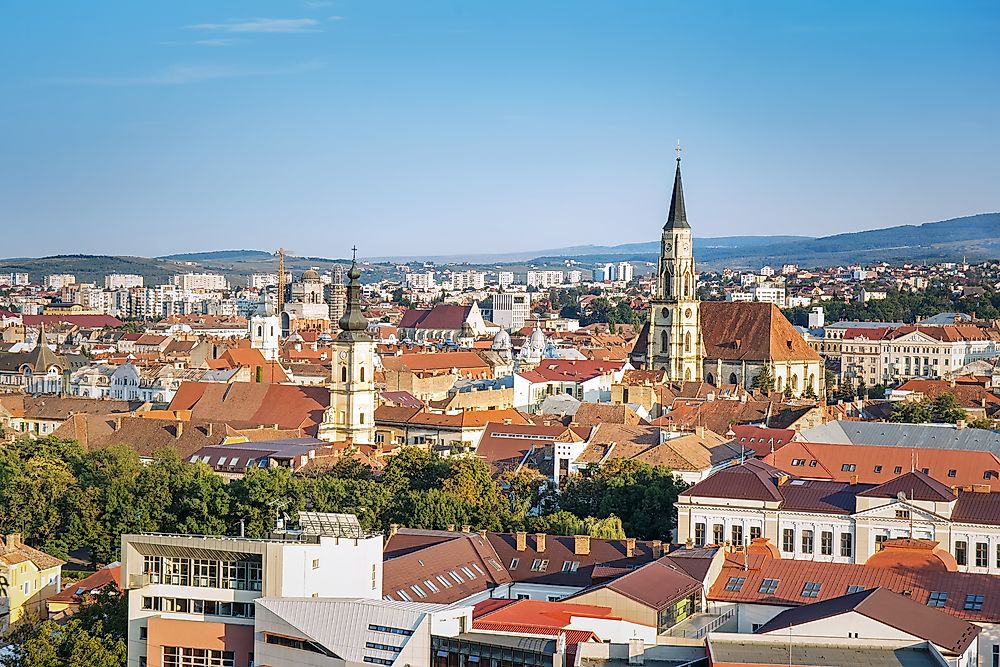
{"x": 404, "y": 595}
{"x": 538, "y": 565}
{"x": 788, "y": 540}
{"x": 467, "y": 572}
{"x": 768, "y": 586}
{"x": 996, "y": 655}
{"x": 390, "y": 630}
{"x": 848, "y": 467}
{"x": 952, "y": 472}
{"x": 961, "y": 552}
{"x": 902, "y": 514}
{"x": 737, "y": 532}
{"x": 418, "y": 590}
{"x": 514, "y": 562}
{"x": 854, "y": 589}
{"x": 735, "y": 583}
{"x": 926, "y": 471}
{"x": 445, "y": 582}
{"x": 879, "y": 541}
{"x": 846, "y": 545}
{"x": 570, "y": 566}
{"x": 457, "y": 577}
{"x": 898, "y": 469}
{"x": 811, "y": 589}
{"x": 982, "y": 554}
{"x": 878, "y": 469}
{"x": 718, "y": 533}
{"x": 807, "y": 541}
{"x": 755, "y": 533}
{"x": 826, "y": 543}
{"x": 973, "y": 602}
{"x": 798, "y": 462}
{"x": 143, "y": 632}
{"x": 937, "y": 599}
{"x": 315, "y": 563}
{"x": 699, "y": 534}
{"x": 174, "y": 656}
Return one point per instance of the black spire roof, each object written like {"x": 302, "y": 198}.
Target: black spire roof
{"x": 353, "y": 325}
{"x": 677, "y": 217}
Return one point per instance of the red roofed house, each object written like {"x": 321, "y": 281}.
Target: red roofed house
{"x": 578, "y": 621}
{"x": 67, "y": 601}
{"x": 841, "y": 522}
{"x": 248, "y": 404}
{"x": 442, "y": 322}
{"x": 583, "y": 379}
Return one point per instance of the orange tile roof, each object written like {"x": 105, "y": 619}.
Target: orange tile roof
{"x": 751, "y": 331}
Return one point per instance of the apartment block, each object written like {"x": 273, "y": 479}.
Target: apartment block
{"x": 191, "y": 597}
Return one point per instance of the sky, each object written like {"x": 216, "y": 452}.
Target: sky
{"x": 444, "y": 127}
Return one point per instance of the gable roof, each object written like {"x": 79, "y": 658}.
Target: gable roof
{"x": 751, "y": 331}
{"x": 752, "y": 480}
{"x": 443, "y": 316}
{"x": 916, "y": 485}
{"x": 245, "y": 404}
{"x": 919, "y": 436}
{"x": 882, "y": 605}
{"x": 655, "y": 585}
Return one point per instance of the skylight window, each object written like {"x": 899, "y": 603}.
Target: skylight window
{"x": 973, "y": 602}
{"x": 937, "y": 599}
{"x": 811, "y": 589}
{"x": 768, "y": 586}
{"x": 853, "y": 588}
{"x": 735, "y": 584}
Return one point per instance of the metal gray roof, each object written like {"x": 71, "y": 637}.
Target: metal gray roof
{"x": 824, "y": 655}
{"x": 920, "y": 436}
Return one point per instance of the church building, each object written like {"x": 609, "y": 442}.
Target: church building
{"x": 718, "y": 342}
{"x": 351, "y": 415}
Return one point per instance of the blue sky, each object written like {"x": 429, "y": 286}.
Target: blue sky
{"x": 437, "y": 127}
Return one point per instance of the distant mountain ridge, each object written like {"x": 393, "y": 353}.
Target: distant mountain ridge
{"x": 975, "y": 237}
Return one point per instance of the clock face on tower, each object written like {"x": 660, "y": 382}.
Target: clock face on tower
{"x": 343, "y": 355}
{"x": 667, "y": 247}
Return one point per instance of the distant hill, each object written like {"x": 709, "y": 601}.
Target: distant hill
{"x": 219, "y": 255}
{"x": 976, "y": 237}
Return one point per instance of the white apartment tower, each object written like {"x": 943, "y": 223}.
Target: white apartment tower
{"x": 351, "y": 415}
{"x": 675, "y": 325}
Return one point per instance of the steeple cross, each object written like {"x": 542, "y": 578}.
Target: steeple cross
{"x": 355, "y": 251}
{"x": 679, "y": 149}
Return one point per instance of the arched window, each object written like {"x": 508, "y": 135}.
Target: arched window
{"x": 361, "y": 418}
{"x": 687, "y": 286}
{"x": 795, "y": 382}
{"x": 777, "y": 385}
{"x": 664, "y": 342}
{"x": 260, "y": 331}
{"x": 687, "y": 341}
{"x": 733, "y": 379}
{"x": 710, "y": 379}
{"x": 343, "y": 373}
{"x": 812, "y": 381}
{"x": 687, "y": 374}
{"x": 362, "y": 373}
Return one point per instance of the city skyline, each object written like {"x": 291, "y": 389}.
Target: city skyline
{"x": 513, "y": 127}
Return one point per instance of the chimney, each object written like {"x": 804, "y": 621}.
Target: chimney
{"x": 521, "y": 540}
{"x": 451, "y": 528}
{"x": 118, "y": 423}
{"x": 482, "y": 534}
{"x": 393, "y": 529}
{"x": 783, "y": 479}
{"x": 657, "y": 548}
{"x": 629, "y": 547}
{"x": 466, "y": 528}
{"x": 854, "y": 480}
{"x": 540, "y": 542}
{"x": 699, "y": 431}
{"x": 960, "y": 424}
{"x": 209, "y": 429}
{"x": 13, "y": 540}
{"x": 581, "y": 545}
{"x": 178, "y": 429}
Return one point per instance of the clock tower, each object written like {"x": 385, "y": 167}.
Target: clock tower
{"x": 674, "y": 324}
{"x": 351, "y": 415}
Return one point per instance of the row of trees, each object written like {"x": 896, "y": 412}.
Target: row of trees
{"x": 943, "y": 409}
{"x": 905, "y": 307}
{"x": 62, "y": 498}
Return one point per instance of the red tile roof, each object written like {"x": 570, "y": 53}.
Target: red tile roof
{"x": 251, "y": 404}
{"x": 889, "y": 569}
{"x": 442, "y": 316}
{"x": 87, "y": 321}
{"x": 752, "y": 332}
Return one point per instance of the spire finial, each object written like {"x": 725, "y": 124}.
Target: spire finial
{"x": 679, "y": 149}
{"x": 354, "y": 257}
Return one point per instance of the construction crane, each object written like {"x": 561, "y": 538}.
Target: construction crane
{"x": 280, "y": 254}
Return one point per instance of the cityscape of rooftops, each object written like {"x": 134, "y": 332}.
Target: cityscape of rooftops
{"x": 563, "y": 334}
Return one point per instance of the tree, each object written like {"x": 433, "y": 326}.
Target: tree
{"x": 945, "y": 409}
{"x": 846, "y": 391}
{"x": 763, "y": 381}
{"x": 641, "y": 494}
{"x": 910, "y": 412}
{"x": 982, "y": 422}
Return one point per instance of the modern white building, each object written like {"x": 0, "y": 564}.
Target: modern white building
{"x": 192, "y": 597}
{"x": 117, "y": 281}
{"x": 511, "y": 309}
{"x": 59, "y": 280}
{"x": 422, "y": 281}
{"x": 544, "y": 279}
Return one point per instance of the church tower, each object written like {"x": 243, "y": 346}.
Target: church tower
{"x": 674, "y": 325}
{"x": 351, "y": 415}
